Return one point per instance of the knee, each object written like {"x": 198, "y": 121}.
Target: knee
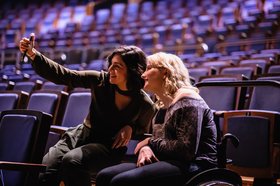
{"x": 104, "y": 177}
{"x": 70, "y": 160}
{"x": 128, "y": 178}
{"x": 123, "y": 181}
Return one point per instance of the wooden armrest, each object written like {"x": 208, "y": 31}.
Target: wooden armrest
{"x": 22, "y": 166}
{"x": 58, "y": 129}
{"x": 219, "y": 114}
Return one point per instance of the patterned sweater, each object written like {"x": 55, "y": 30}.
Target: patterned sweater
{"x": 185, "y": 132}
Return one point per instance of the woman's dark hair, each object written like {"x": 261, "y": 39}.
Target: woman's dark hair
{"x": 135, "y": 61}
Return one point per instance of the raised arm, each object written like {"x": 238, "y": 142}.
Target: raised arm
{"x": 58, "y": 74}
{"x": 55, "y": 72}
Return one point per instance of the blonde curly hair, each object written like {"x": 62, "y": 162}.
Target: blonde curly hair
{"x": 177, "y": 75}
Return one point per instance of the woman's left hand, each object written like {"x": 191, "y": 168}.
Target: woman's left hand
{"x": 146, "y": 156}
{"x": 123, "y": 137}
{"x": 141, "y": 144}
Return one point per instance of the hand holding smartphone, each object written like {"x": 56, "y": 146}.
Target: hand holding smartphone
{"x": 32, "y": 42}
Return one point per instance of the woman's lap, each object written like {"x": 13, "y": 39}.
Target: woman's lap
{"x": 159, "y": 173}
{"x": 74, "y": 152}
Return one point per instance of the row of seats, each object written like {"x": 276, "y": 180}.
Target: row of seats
{"x": 85, "y": 57}
{"x": 250, "y": 110}
{"x": 257, "y": 127}
{"x": 26, "y": 72}
{"x": 197, "y": 74}
{"x": 30, "y": 86}
{"x": 208, "y": 71}
{"x": 191, "y": 53}
{"x": 57, "y": 103}
{"x": 67, "y": 109}
{"x": 246, "y": 71}
{"x": 211, "y": 62}
{"x": 184, "y": 22}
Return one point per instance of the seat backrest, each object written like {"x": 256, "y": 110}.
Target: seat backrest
{"x": 26, "y": 86}
{"x": 266, "y": 96}
{"x": 269, "y": 57}
{"x": 51, "y": 102}
{"x": 275, "y": 77}
{"x": 248, "y": 71}
{"x": 102, "y": 16}
{"x": 52, "y": 86}
{"x": 13, "y": 100}
{"x": 76, "y": 109}
{"x": 257, "y": 131}
{"x": 216, "y": 64}
{"x": 219, "y": 78}
{"x": 3, "y": 86}
{"x": 118, "y": 10}
{"x": 97, "y": 64}
{"x": 261, "y": 62}
{"x": 44, "y": 102}
{"x": 23, "y": 135}
{"x": 274, "y": 69}
{"x": 74, "y": 59}
{"x": 219, "y": 97}
{"x": 198, "y": 72}
{"x": 53, "y": 138}
{"x": 8, "y": 101}
{"x": 132, "y": 10}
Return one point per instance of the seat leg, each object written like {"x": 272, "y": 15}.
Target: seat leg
{"x": 264, "y": 181}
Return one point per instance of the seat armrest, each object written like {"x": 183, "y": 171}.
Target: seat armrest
{"x": 22, "y": 166}
{"x": 219, "y": 114}
{"x": 58, "y": 129}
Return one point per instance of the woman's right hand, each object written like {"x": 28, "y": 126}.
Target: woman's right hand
{"x": 25, "y": 45}
{"x": 141, "y": 144}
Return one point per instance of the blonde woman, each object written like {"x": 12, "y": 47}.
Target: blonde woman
{"x": 184, "y": 133}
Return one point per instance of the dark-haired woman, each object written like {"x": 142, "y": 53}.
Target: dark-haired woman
{"x": 119, "y": 109}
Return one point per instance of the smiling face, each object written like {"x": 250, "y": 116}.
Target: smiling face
{"x": 118, "y": 72}
{"x": 154, "y": 78}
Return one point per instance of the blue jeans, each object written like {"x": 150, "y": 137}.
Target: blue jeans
{"x": 75, "y": 158}
{"x": 163, "y": 173}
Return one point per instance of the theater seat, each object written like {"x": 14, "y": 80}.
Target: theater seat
{"x": 52, "y": 86}
{"x": 258, "y": 154}
{"x": 75, "y": 112}
{"x": 23, "y": 136}
{"x": 13, "y": 100}
{"x": 49, "y": 101}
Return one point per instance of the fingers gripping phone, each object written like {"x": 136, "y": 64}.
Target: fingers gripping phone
{"x": 32, "y": 41}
